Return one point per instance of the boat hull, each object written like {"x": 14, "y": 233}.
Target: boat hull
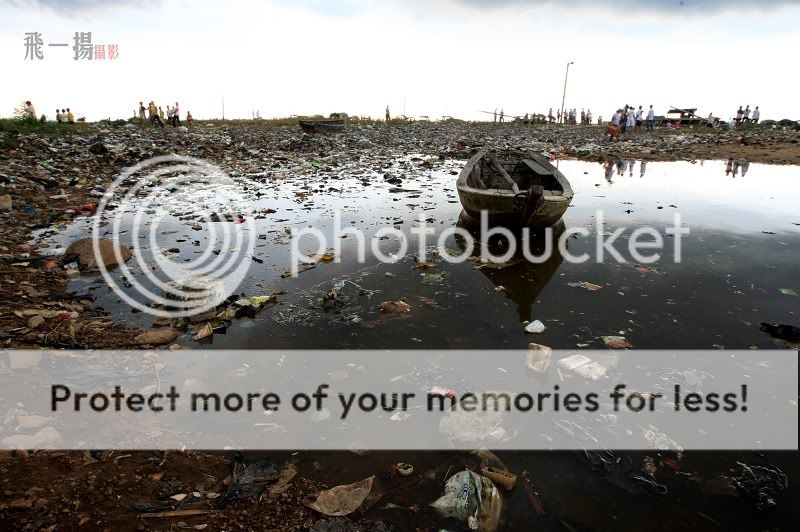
{"x": 502, "y": 211}
{"x": 322, "y": 126}
{"x": 504, "y": 206}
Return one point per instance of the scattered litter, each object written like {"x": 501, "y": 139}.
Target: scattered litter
{"x": 442, "y": 392}
{"x": 284, "y": 480}
{"x": 762, "y": 484}
{"x": 500, "y": 477}
{"x": 404, "y": 469}
{"x": 583, "y": 366}
{"x": 586, "y": 285}
{"x": 434, "y": 278}
{"x": 345, "y": 499}
{"x": 538, "y": 359}
{"x": 648, "y": 269}
{"x": 249, "y": 480}
{"x": 616, "y": 342}
{"x": 535, "y": 327}
{"x": 395, "y": 307}
{"x": 471, "y": 499}
{"x": 203, "y": 331}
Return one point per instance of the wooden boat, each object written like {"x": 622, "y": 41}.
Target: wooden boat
{"x": 527, "y": 192}
{"x": 322, "y": 125}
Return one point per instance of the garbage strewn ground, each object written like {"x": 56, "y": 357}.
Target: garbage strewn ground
{"x": 48, "y": 182}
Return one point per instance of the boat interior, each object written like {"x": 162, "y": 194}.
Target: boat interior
{"x": 524, "y": 173}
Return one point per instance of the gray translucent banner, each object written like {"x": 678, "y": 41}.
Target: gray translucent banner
{"x": 416, "y": 400}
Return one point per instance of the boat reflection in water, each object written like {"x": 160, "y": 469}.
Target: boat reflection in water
{"x": 521, "y": 280}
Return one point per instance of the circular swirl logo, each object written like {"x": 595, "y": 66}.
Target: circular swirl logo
{"x": 174, "y": 195}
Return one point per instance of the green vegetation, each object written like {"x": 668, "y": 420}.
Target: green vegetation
{"x": 22, "y": 126}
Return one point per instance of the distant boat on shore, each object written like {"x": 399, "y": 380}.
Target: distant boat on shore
{"x": 523, "y": 192}
{"x": 334, "y": 124}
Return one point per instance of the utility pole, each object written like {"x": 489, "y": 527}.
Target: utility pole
{"x": 563, "y": 96}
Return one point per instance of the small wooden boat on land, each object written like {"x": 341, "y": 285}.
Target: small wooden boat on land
{"x": 525, "y": 192}
{"x": 322, "y": 125}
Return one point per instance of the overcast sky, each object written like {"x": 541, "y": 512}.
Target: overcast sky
{"x": 421, "y": 57}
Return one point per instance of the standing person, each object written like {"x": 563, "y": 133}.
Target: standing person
{"x": 615, "y": 119}
{"x": 388, "y": 117}
{"x": 141, "y": 113}
{"x": 160, "y": 113}
{"x": 559, "y": 115}
{"x": 588, "y": 117}
{"x": 502, "y": 116}
{"x": 651, "y": 119}
{"x": 631, "y": 123}
{"x": 70, "y": 117}
{"x": 746, "y": 115}
{"x": 638, "y": 117}
{"x": 738, "y": 119}
{"x": 59, "y": 116}
{"x": 154, "y": 117}
{"x": 189, "y": 119}
{"x": 495, "y": 116}
{"x": 176, "y": 116}
{"x": 583, "y": 117}
{"x": 550, "y": 116}
{"x": 756, "y": 115}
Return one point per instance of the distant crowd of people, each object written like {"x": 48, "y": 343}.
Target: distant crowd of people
{"x": 65, "y": 116}
{"x": 570, "y": 117}
{"x": 154, "y": 115}
{"x": 629, "y": 118}
{"x": 743, "y": 116}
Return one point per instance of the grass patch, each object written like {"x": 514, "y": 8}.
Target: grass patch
{"x": 22, "y": 126}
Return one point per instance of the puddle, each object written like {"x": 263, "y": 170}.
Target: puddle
{"x": 737, "y": 262}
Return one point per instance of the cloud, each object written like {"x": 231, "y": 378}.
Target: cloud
{"x": 662, "y": 6}
{"x": 71, "y": 7}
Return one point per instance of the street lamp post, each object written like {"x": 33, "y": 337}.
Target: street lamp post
{"x": 564, "y": 96}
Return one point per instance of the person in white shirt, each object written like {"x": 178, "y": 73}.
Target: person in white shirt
{"x": 638, "y": 117}
{"x": 29, "y": 111}
{"x": 616, "y": 118}
{"x": 651, "y": 118}
{"x": 176, "y": 116}
{"x": 589, "y": 117}
{"x": 756, "y": 115}
{"x": 631, "y": 119}
{"x": 746, "y": 115}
